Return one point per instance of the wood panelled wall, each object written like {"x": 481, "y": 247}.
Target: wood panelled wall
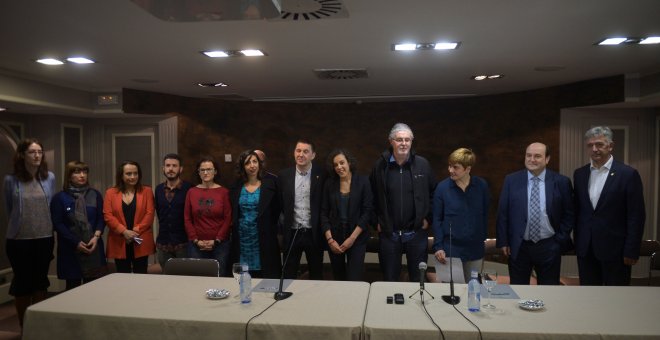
{"x": 498, "y": 128}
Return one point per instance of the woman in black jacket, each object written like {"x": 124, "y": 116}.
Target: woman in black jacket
{"x": 345, "y": 213}
{"x": 255, "y": 211}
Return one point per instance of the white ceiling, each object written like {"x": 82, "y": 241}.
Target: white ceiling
{"x": 510, "y": 37}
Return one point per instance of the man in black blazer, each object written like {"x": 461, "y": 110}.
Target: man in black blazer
{"x": 301, "y": 190}
{"x": 535, "y": 241}
{"x": 610, "y": 214}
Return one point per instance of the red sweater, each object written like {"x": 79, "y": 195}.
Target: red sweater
{"x": 207, "y": 214}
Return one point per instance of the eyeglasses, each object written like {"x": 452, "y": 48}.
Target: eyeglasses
{"x": 204, "y": 171}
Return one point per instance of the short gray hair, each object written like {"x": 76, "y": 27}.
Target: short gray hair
{"x": 597, "y": 131}
{"x": 398, "y": 127}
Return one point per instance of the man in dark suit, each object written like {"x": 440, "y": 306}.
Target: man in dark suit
{"x": 535, "y": 219}
{"x": 610, "y": 214}
{"x": 301, "y": 190}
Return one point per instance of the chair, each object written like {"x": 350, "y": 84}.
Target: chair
{"x": 651, "y": 248}
{"x": 192, "y": 267}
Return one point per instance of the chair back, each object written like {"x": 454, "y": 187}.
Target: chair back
{"x": 192, "y": 267}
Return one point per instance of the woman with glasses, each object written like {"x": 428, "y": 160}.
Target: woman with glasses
{"x": 345, "y": 213}
{"x": 28, "y": 192}
{"x": 255, "y": 213}
{"x": 77, "y": 215}
{"x": 207, "y": 216}
{"x": 128, "y": 209}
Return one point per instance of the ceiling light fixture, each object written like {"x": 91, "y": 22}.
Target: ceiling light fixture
{"x": 650, "y": 40}
{"x": 80, "y": 60}
{"x": 628, "y": 41}
{"x": 3, "y": 109}
{"x": 234, "y": 53}
{"x": 50, "y": 61}
{"x": 487, "y": 77}
{"x": 212, "y": 84}
{"x": 425, "y": 46}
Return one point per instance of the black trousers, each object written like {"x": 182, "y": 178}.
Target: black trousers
{"x": 594, "y": 272}
{"x": 349, "y": 266}
{"x": 304, "y": 242}
{"x": 544, "y": 257}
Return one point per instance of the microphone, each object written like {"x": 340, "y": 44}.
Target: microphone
{"x": 280, "y": 295}
{"x": 451, "y": 298}
{"x": 422, "y": 274}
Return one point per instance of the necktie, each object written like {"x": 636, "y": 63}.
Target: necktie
{"x": 535, "y": 212}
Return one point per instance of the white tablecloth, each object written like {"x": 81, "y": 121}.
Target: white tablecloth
{"x": 131, "y": 306}
{"x": 572, "y": 312}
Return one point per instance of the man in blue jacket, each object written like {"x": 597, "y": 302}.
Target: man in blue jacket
{"x": 535, "y": 218}
{"x": 610, "y": 214}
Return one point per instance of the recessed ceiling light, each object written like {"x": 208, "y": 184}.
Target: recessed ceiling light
{"x": 446, "y": 46}
{"x": 80, "y": 60}
{"x": 405, "y": 47}
{"x": 495, "y": 76}
{"x": 50, "y": 61}
{"x": 3, "y": 109}
{"x": 650, "y": 40}
{"x": 212, "y": 84}
{"x": 612, "y": 41}
{"x": 487, "y": 77}
{"x": 480, "y": 77}
{"x": 252, "y": 53}
{"x": 216, "y": 54}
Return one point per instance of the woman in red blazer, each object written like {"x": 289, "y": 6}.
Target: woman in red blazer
{"x": 128, "y": 210}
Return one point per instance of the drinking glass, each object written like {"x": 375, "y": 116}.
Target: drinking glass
{"x": 237, "y": 269}
{"x": 489, "y": 279}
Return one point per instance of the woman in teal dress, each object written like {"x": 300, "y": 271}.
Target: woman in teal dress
{"x": 255, "y": 212}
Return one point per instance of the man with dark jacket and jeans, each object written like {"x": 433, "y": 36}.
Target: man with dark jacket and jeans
{"x": 403, "y": 185}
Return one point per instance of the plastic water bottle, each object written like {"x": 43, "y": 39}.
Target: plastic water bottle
{"x": 474, "y": 293}
{"x": 245, "y": 283}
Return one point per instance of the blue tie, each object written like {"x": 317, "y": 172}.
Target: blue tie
{"x": 535, "y": 211}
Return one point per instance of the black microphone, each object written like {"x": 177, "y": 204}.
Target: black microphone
{"x": 280, "y": 295}
{"x": 422, "y": 274}
{"x": 451, "y": 298}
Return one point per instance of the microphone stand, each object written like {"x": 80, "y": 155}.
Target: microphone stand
{"x": 421, "y": 290}
{"x": 451, "y": 298}
{"x": 280, "y": 295}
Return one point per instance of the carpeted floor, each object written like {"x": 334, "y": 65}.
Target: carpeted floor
{"x": 9, "y": 328}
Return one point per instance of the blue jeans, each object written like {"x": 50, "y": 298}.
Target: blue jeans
{"x": 219, "y": 252}
{"x": 391, "y": 249}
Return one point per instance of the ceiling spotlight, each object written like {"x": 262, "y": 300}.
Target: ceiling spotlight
{"x": 487, "y": 77}
{"x": 481, "y": 77}
{"x": 405, "y": 47}
{"x": 252, "y": 53}
{"x": 611, "y": 41}
{"x": 50, "y": 61}
{"x": 3, "y": 109}
{"x": 216, "y": 54}
{"x": 80, "y": 60}
{"x": 446, "y": 46}
{"x": 495, "y": 76}
{"x": 650, "y": 40}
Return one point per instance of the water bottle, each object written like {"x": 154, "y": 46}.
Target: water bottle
{"x": 474, "y": 293}
{"x": 245, "y": 283}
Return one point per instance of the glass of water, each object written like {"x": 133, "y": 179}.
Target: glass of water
{"x": 236, "y": 270}
{"x": 489, "y": 280}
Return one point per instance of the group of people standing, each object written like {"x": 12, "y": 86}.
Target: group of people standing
{"x": 309, "y": 209}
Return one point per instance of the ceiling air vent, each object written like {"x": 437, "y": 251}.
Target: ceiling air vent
{"x": 302, "y": 10}
{"x": 342, "y": 73}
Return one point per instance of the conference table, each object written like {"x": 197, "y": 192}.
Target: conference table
{"x": 571, "y": 312}
{"x": 134, "y": 306}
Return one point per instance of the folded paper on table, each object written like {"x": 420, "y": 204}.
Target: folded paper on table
{"x": 442, "y": 270}
{"x": 271, "y": 285}
{"x": 500, "y": 292}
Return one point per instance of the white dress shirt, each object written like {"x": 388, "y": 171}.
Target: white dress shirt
{"x": 597, "y": 180}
